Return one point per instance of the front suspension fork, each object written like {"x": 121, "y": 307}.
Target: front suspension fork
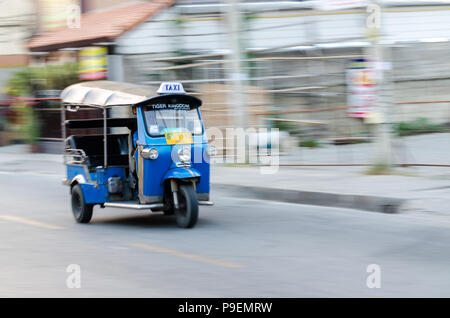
{"x": 174, "y": 188}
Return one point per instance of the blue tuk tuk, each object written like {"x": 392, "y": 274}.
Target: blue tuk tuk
{"x": 158, "y": 162}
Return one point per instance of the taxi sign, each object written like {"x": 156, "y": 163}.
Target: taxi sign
{"x": 171, "y": 88}
{"x": 179, "y": 138}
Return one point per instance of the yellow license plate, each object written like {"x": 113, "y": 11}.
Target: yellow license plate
{"x": 179, "y": 138}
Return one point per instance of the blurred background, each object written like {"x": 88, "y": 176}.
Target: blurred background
{"x": 324, "y": 72}
{"x": 358, "y": 89}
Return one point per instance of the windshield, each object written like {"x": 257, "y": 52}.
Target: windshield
{"x": 164, "y": 121}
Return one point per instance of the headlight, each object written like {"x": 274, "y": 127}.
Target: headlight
{"x": 211, "y": 150}
{"x": 150, "y": 153}
{"x": 184, "y": 154}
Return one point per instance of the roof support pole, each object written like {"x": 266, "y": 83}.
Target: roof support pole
{"x": 63, "y": 124}
{"x": 105, "y": 139}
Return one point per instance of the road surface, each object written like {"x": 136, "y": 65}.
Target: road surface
{"x": 239, "y": 248}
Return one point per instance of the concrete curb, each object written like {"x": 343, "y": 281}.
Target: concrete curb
{"x": 349, "y": 201}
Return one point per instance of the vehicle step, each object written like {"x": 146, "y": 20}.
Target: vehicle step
{"x": 133, "y": 205}
{"x": 205, "y": 203}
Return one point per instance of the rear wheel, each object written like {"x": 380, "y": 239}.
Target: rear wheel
{"x": 187, "y": 213}
{"x": 81, "y": 211}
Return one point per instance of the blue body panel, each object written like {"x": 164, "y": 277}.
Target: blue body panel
{"x": 94, "y": 184}
{"x": 93, "y": 194}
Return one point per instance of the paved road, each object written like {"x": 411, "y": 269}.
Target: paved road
{"x": 240, "y": 247}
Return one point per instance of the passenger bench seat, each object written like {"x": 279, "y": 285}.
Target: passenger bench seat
{"x": 92, "y": 145}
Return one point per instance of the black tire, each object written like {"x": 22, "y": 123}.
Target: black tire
{"x": 81, "y": 211}
{"x": 187, "y": 214}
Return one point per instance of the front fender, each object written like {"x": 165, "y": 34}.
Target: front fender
{"x": 78, "y": 179}
{"x": 181, "y": 173}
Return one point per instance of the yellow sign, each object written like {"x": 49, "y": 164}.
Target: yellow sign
{"x": 179, "y": 138}
{"x": 93, "y": 63}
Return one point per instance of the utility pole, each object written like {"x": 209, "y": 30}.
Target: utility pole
{"x": 236, "y": 74}
{"x": 383, "y": 113}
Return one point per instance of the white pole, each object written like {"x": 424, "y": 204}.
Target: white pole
{"x": 383, "y": 129}
{"x": 236, "y": 74}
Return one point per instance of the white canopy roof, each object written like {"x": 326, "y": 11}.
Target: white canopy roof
{"x": 106, "y": 94}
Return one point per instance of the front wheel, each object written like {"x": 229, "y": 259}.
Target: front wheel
{"x": 81, "y": 211}
{"x": 187, "y": 213}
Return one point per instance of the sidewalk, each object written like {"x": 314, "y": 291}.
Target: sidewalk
{"x": 345, "y": 187}
{"x": 411, "y": 190}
